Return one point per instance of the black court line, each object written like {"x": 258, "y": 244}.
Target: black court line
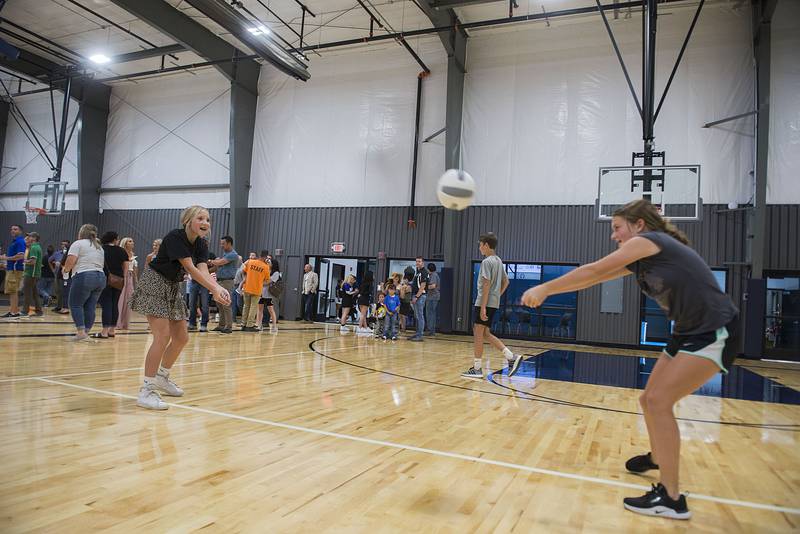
{"x": 547, "y": 400}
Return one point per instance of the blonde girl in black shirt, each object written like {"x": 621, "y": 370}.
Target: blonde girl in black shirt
{"x": 157, "y": 296}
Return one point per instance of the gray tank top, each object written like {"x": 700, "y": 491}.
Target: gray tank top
{"x": 681, "y": 283}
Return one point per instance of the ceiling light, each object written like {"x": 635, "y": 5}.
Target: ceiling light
{"x": 259, "y": 30}
{"x": 100, "y": 59}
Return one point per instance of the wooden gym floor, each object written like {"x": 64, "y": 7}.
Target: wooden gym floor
{"x": 310, "y": 430}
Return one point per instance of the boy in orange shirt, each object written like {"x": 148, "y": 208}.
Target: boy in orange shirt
{"x": 256, "y": 273}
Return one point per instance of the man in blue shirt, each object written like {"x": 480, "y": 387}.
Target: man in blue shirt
{"x": 15, "y": 265}
{"x": 227, "y": 265}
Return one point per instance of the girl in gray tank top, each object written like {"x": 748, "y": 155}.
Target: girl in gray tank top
{"x": 676, "y": 277}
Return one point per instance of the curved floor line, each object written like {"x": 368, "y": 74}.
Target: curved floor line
{"x": 547, "y": 400}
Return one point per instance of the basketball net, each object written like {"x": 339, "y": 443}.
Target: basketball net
{"x": 32, "y": 213}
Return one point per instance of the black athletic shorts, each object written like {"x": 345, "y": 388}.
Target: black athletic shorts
{"x": 720, "y": 346}
{"x": 489, "y": 314}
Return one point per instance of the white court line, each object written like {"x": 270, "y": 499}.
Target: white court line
{"x": 434, "y": 452}
{"x": 244, "y": 358}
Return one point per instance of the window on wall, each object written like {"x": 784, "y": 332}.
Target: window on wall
{"x": 655, "y": 328}
{"x": 782, "y": 317}
{"x": 555, "y": 319}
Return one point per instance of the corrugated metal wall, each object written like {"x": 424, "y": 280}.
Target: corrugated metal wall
{"x": 365, "y": 231}
{"x": 558, "y": 234}
{"x": 783, "y": 234}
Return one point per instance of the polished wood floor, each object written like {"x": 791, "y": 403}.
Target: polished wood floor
{"x": 308, "y": 430}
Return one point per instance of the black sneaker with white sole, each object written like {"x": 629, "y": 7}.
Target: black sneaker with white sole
{"x": 657, "y": 502}
{"x": 640, "y": 464}
{"x": 513, "y": 365}
{"x": 473, "y": 373}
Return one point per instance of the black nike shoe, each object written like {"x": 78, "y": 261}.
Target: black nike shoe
{"x": 640, "y": 464}
{"x": 658, "y": 503}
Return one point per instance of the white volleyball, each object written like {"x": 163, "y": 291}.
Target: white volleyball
{"x": 456, "y": 189}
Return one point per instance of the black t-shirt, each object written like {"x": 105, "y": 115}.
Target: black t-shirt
{"x": 114, "y": 258}
{"x": 47, "y": 272}
{"x": 176, "y": 246}
{"x": 420, "y": 277}
{"x": 679, "y": 280}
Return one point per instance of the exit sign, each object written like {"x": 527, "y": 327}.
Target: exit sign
{"x": 337, "y": 248}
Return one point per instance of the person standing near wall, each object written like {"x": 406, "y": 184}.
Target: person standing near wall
{"x": 227, "y": 265}
{"x": 310, "y": 285}
{"x": 31, "y": 275}
{"x": 15, "y": 265}
{"x": 419, "y": 297}
{"x": 116, "y": 266}
{"x": 432, "y": 304}
{"x": 131, "y": 277}
{"x": 83, "y": 270}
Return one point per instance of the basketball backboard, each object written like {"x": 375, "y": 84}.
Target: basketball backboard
{"x": 48, "y": 196}
{"x": 674, "y": 189}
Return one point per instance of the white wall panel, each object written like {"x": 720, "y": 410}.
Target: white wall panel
{"x": 170, "y": 130}
{"x": 783, "y": 182}
{"x": 546, "y": 106}
{"x": 22, "y": 164}
{"x": 345, "y": 138}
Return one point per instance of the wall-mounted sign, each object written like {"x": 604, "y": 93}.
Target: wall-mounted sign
{"x": 337, "y": 248}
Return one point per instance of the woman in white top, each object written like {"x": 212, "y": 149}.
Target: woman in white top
{"x": 131, "y": 276}
{"x": 85, "y": 261}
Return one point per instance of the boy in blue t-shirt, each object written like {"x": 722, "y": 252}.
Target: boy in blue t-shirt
{"x": 392, "y": 304}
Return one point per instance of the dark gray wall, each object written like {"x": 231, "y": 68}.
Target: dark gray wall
{"x": 558, "y": 234}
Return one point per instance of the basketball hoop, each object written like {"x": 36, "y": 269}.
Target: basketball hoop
{"x": 31, "y": 213}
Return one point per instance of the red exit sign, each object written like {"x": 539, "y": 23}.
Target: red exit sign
{"x": 337, "y": 248}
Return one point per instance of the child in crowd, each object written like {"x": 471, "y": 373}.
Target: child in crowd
{"x": 392, "y": 304}
{"x": 380, "y": 315}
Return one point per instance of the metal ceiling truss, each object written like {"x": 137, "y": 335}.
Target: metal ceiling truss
{"x": 260, "y": 42}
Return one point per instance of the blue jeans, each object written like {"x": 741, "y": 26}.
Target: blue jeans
{"x": 45, "y": 289}
{"x": 84, "y": 291}
{"x": 419, "y": 315}
{"x": 390, "y": 325}
{"x": 431, "y": 311}
{"x": 196, "y": 290}
{"x": 237, "y": 304}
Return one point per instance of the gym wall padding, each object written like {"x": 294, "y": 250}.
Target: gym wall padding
{"x": 22, "y": 161}
{"x": 169, "y": 130}
{"x": 783, "y": 184}
{"x": 544, "y": 107}
{"x": 345, "y": 137}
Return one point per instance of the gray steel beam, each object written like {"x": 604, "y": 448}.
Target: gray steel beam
{"x": 448, "y": 4}
{"x": 196, "y": 37}
{"x": 155, "y": 188}
{"x": 243, "y": 122}
{"x": 94, "y": 108}
{"x": 757, "y": 235}
{"x": 4, "y": 107}
{"x": 239, "y": 26}
{"x": 148, "y": 53}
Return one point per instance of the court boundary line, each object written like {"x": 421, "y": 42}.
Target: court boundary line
{"x": 433, "y": 452}
{"x": 179, "y": 364}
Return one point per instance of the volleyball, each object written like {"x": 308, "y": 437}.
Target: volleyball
{"x": 456, "y": 189}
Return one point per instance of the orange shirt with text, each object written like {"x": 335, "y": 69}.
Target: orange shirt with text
{"x": 256, "y": 272}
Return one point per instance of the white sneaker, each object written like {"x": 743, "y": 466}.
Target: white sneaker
{"x": 150, "y": 399}
{"x": 167, "y": 386}
{"x": 343, "y": 329}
